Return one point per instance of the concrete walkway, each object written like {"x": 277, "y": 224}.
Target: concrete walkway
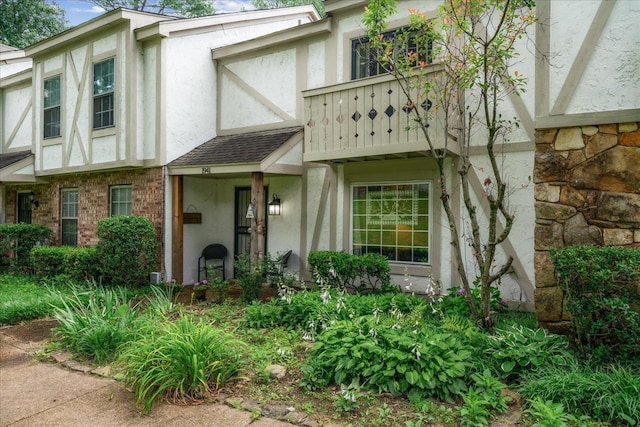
{"x": 34, "y": 393}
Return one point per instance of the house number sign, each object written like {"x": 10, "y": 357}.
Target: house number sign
{"x": 206, "y": 170}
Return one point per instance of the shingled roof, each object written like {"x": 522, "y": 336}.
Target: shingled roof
{"x": 252, "y": 147}
{"x": 8, "y": 159}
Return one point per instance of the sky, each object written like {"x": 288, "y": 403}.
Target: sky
{"x": 79, "y": 11}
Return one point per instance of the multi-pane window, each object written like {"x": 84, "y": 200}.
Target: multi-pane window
{"x": 365, "y": 58}
{"x": 392, "y": 220}
{"x": 121, "y": 200}
{"x": 69, "y": 216}
{"x": 103, "y": 93}
{"x": 51, "y": 122}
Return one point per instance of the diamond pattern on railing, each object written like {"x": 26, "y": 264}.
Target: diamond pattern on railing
{"x": 427, "y": 104}
{"x": 356, "y": 116}
{"x": 372, "y": 114}
{"x": 390, "y": 111}
{"x": 340, "y": 118}
{"x": 407, "y": 107}
{"x": 311, "y": 123}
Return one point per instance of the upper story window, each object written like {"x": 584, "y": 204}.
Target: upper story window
{"x": 103, "y": 93}
{"x": 364, "y": 58}
{"x": 120, "y": 200}
{"x": 51, "y": 120}
{"x": 392, "y": 219}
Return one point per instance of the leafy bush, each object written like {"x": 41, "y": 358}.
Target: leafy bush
{"x": 127, "y": 250}
{"x": 95, "y": 322}
{"x": 455, "y": 302}
{"x": 517, "y": 351}
{"x": 181, "y": 359}
{"x": 310, "y": 311}
{"x": 77, "y": 263}
{"x": 605, "y": 394}
{"x": 602, "y": 292}
{"x": 20, "y": 239}
{"x": 341, "y": 270}
{"x": 389, "y": 356}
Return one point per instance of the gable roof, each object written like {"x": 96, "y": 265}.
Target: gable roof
{"x": 252, "y": 147}
{"x": 7, "y": 159}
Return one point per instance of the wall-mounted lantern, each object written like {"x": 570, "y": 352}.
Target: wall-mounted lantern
{"x": 274, "y": 205}
{"x": 32, "y": 198}
{"x": 249, "y": 212}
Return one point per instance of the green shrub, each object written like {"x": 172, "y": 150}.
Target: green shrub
{"x": 388, "y": 355}
{"x": 311, "y": 310}
{"x": 77, "y": 263}
{"x": 341, "y": 270}
{"x": 127, "y": 250}
{"x": 601, "y": 288}
{"x": 605, "y": 394}
{"x": 179, "y": 359}
{"x": 516, "y": 351}
{"x": 95, "y": 322}
{"x": 19, "y": 239}
{"x": 455, "y": 302}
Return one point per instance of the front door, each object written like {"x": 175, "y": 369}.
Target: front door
{"x": 24, "y": 207}
{"x": 242, "y": 243}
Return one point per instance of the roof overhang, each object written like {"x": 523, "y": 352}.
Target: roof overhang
{"x": 206, "y": 23}
{"x": 277, "y": 160}
{"x": 17, "y": 167}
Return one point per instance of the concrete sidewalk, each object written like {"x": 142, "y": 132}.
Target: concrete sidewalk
{"x": 34, "y": 393}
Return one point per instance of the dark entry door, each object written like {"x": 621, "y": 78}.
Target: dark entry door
{"x": 242, "y": 244}
{"x": 24, "y": 207}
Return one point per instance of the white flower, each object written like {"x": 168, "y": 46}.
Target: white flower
{"x": 373, "y": 332}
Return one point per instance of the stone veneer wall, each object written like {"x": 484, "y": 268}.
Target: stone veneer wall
{"x": 147, "y": 194}
{"x": 587, "y": 192}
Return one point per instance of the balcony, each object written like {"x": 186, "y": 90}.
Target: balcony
{"x": 364, "y": 119}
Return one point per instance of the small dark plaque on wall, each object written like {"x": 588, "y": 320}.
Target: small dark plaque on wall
{"x": 192, "y": 218}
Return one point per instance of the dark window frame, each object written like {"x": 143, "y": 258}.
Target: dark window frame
{"x": 364, "y": 59}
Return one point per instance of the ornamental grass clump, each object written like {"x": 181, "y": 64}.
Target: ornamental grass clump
{"x": 95, "y": 321}
{"x": 179, "y": 360}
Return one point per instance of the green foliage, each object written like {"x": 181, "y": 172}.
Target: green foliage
{"x": 455, "y": 302}
{"x": 95, "y": 322}
{"x": 250, "y": 277}
{"x": 386, "y": 355}
{"x": 516, "y": 351}
{"x": 77, "y": 263}
{"x": 484, "y": 398}
{"x": 26, "y": 22}
{"x": 602, "y": 295}
{"x": 604, "y": 394}
{"x": 549, "y": 414}
{"x": 218, "y": 287}
{"x": 272, "y": 4}
{"x": 340, "y": 270}
{"x": 311, "y": 311}
{"x": 181, "y": 359}
{"x": 127, "y": 250}
{"x": 187, "y": 8}
{"x": 24, "y": 298}
{"x": 20, "y": 239}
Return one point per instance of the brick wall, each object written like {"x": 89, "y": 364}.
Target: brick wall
{"x": 147, "y": 194}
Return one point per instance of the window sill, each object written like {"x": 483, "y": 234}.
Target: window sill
{"x": 106, "y": 131}
{"x": 417, "y": 270}
{"x": 52, "y": 140}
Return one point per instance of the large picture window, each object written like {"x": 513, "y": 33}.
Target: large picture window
{"x": 69, "y": 216}
{"x": 51, "y": 121}
{"x": 364, "y": 58}
{"x": 392, "y": 220}
{"x": 121, "y": 200}
{"x": 103, "y": 93}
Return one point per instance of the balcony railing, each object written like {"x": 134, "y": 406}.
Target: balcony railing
{"x": 364, "y": 119}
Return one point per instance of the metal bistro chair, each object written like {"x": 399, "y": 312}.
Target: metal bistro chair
{"x": 283, "y": 260}
{"x": 216, "y": 254}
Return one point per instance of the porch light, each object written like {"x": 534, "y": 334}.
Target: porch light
{"x": 33, "y": 200}
{"x": 274, "y": 205}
